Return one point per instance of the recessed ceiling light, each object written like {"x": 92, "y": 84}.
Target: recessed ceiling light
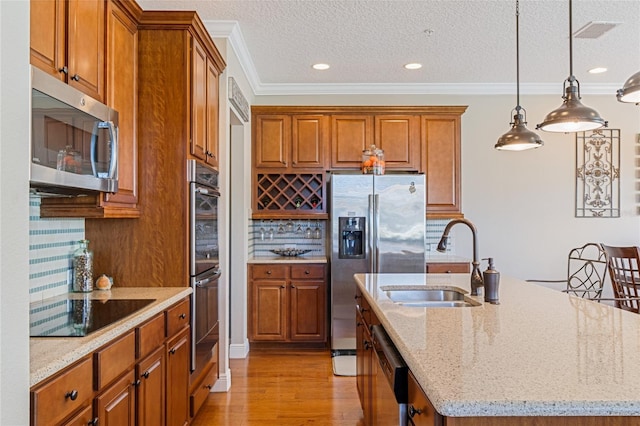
{"x": 597, "y": 70}
{"x": 413, "y": 66}
{"x": 321, "y": 67}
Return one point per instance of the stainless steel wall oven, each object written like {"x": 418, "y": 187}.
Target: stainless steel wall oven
{"x": 204, "y": 258}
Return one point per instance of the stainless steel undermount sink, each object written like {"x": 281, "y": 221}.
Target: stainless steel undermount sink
{"x": 430, "y": 297}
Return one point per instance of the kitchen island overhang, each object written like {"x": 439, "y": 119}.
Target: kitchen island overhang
{"x": 540, "y": 352}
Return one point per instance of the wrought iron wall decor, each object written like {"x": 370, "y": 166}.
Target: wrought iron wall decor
{"x": 598, "y": 173}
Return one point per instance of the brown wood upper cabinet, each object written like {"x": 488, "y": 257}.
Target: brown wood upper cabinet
{"x": 68, "y": 42}
{"x": 290, "y": 141}
{"x": 398, "y": 135}
{"x": 121, "y": 95}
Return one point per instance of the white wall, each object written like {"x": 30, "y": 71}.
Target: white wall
{"x": 14, "y": 213}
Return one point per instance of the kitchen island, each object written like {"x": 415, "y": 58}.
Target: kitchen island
{"x": 540, "y": 352}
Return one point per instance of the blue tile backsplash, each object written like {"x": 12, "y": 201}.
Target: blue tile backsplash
{"x": 51, "y": 245}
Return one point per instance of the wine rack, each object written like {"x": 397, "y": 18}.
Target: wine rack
{"x": 280, "y": 195}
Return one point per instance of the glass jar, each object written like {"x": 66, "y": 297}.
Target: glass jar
{"x": 373, "y": 161}
{"x": 83, "y": 268}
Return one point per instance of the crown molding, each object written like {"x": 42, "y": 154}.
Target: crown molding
{"x": 231, "y": 31}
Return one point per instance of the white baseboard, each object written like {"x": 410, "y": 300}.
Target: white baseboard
{"x": 239, "y": 350}
{"x": 223, "y": 384}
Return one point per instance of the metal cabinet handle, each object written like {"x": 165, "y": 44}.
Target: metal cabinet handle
{"x": 146, "y": 374}
{"x": 293, "y": 286}
{"x": 413, "y": 411}
{"x": 208, "y": 386}
{"x": 75, "y": 77}
{"x": 366, "y": 344}
{"x": 136, "y": 383}
{"x": 182, "y": 316}
{"x": 172, "y": 351}
{"x": 93, "y": 422}
{"x": 283, "y": 286}
{"x": 64, "y": 70}
{"x": 72, "y": 395}
{"x": 269, "y": 272}
{"x": 307, "y": 272}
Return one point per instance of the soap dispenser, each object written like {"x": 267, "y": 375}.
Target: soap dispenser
{"x": 491, "y": 279}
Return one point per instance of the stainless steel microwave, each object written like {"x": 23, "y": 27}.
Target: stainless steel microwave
{"x": 74, "y": 140}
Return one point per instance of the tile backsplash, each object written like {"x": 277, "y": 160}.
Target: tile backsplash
{"x": 51, "y": 245}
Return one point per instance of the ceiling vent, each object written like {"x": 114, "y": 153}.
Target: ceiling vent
{"x": 595, "y": 29}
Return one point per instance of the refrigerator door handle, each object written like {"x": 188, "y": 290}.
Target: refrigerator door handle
{"x": 376, "y": 236}
{"x": 370, "y": 234}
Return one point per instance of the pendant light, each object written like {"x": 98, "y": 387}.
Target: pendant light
{"x": 630, "y": 92}
{"x": 572, "y": 115}
{"x": 519, "y": 137}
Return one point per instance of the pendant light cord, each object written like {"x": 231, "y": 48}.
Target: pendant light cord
{"x": 571, "y": 77}
{"x": 518, "y": 57}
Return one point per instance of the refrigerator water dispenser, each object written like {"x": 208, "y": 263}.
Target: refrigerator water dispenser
{"x": 352, "y": 238}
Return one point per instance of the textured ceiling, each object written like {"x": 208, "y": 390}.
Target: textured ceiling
{"x": 471, "y": 45}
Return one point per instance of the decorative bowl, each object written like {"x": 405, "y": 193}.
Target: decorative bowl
{"x": 289, "y": 252}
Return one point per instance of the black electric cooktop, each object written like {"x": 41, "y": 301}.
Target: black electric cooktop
{"x": 79, "y": 317}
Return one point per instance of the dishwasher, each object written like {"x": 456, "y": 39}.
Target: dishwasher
{"x": 389, "y": 375}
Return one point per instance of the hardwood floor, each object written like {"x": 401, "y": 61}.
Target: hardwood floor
{"x": 283, "y": 387}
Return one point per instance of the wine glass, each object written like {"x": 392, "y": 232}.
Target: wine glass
{"x": 309, "y": 232}
{"x": 270, "y": 231}
{"x": 281, "y": 228}
{"x": 299, "y": 230}
{"x": 289, "y": 226}
{"x": 317, "y": 233}
{"x": 262, "y": 230}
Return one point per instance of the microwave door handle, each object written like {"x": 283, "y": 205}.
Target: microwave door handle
{"x": 113, "y": 136}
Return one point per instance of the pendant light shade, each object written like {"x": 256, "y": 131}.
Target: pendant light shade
{"x": 630, "y": 92}
{"x": 572, "y": 115}
{"x": 519, "y": 138}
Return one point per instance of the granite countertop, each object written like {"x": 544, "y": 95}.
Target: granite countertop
{"x": 48, "y": 355}
{"x": 540, "y": 352}
{"x": 288, "y": 259}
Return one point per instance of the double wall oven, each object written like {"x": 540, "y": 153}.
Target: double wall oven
{"x": 204, "y": 262}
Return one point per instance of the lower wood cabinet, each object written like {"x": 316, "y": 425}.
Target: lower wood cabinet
{"x": 287, "y": 303}
{"x": 139, "y": 378}
{"x": 419, "y": 408}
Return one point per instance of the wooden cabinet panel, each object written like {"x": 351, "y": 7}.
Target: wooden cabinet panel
{"x": 268, "y": 309}
{"x": 178, "y": 368}
{"x": 448, "y": 268}
{"x": 399, "y": 137}
{"x": 150, "y": 335}
{"x": 441, "y": 139}
{"x": 178, "y": 317}
{"x": 420, "y": 410}
{"x": 116, "y": 405}
{"x": 150, "y": 392}
{"x": 309, "y": 141}
{"x": 272, "y": 139}
{"x": 289, "y": 304}
{"x": 201, "y": 392}
{"x": 61, "y": 396}
{"x": 85, "y": 46}
{"x": 198, "y": 100}
{"x": 350, "y": 135}
{"x": 83, "y": 418}
{"x": 48, "y": 29}
{"x": 114, "y": 359}
{"x": 308, "y": 307}
{"x": 213, "y": 112}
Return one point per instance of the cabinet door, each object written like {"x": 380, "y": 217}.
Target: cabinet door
{"x": 350, "y": 135}
{"x": 272, "y": 140}
{"x": 399, "y": 137}
{"x": 441, "y": 140}
{"x": 212, "y": 115}
{"x": 150, "y": 396}
{"x": 48, "y": 31}
{"x": 198, "y": 100}
{"x": 85, "y": 46}
{"x": 309, "y": 141}
{"x": 178, "y": 370}
{"x": 268, "y": 307}
{"x": 420, "y": 410}
{"x": 83, "y": 418}
{"x": 116, "y": 405}
{"x": 308, "y": 306}
{"x": 122, "y": 95}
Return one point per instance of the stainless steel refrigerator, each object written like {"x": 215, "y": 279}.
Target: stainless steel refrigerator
{"x": 377, "y": 226}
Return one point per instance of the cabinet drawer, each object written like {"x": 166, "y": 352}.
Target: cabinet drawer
{"x": 199, "y": 395}
{"x": 178, "y": 317}
{"x": 84, "y": 417}
{"x": 448, "y": 268}
{"x": 262, "y": 272}
{"x": 299, "y": 272}
{"x": 150, "y": 335}
{"x": 63, "y": 395}
{"x": 115, "y": 359}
